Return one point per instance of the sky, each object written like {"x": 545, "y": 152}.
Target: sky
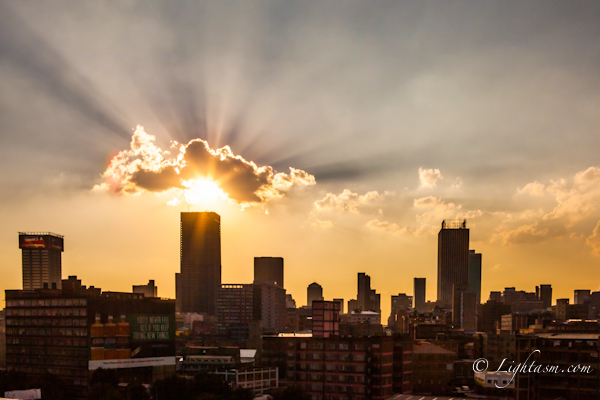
{"x": 337, "y": 135}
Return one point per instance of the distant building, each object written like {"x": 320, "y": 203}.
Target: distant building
{"x": 42, "y": 265}
{"x": 400, "y": 304}
{"x": 457, "y": 290}
{"x": 453, "y": 258}
{"x": 544, "y": 293}
{"x": 273, "y": 310}
{"x": 475, "y": 274}
{"x": 268, "y": 270}
{"x": 468, "y": 312}
{"x": 149, "y": 290}
{"x": 200, "y": 278}
{"x": 341, "y": 302}
{"x": 419, "y": 294}
{"x": 367, "y": 299}
{"x": 313, "y": 292}
{"x": 289, "y": 301}
{"x": 581, "y": 296}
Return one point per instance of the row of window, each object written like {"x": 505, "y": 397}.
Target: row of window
{"x": 328, "y": 367}
{"x": 59, "y": 362}
{"x": 46, "y": 303}
{"x": 47, "y": 331}
{"x": 62, "y": 372}
{"x": 37, "y": 341}
{"x": 328, "y": 377}
{"x": 49, "y": 352}
{"x": 46, "y": 312}
{"x": 329, "y": 356}
{"x": 45, "y": 322}
{"x": 332, "y": 346}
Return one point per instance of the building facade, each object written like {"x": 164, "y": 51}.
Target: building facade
{"x": 419, "y": 294}
{"x": 453, "y": 258}
{"x": 199, "y": 281}
{"x": 42, "y": 264}
{"x": 71, "y": 331}
{"x": 268, "y": 270}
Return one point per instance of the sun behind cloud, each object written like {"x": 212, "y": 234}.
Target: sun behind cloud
{"x": 198, "y": 172}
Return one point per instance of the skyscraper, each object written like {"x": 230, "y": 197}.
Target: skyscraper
{"x": 544, "y": 293}
{"x": 268, "y": 270}
{"x": 475, "y": 274}
{"x": 419, "y": 294}
{"x": 453, "y": 258}
{"x": 42, "y": 264}
{"x": 313, "y": 292}
{"x": 199, "y": 281}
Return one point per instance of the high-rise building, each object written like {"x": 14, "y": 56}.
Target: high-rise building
{"x": 367, "y": 299}
{"x": 419, "y": 294}
{"x": 364, "y": 291}
{"x": 581, "y": 296}
{"x": 42, "y": 263}
{"x": 453, "y": 258}
{"x": 268, "y": 270}
{"x": 544, "y": 293}
{"x": 468, "y": 312}
{"x": 199, "y": 281}
{"x": 474, "y": 274}
{"x": 457, "y": 290}
{"x": 313, "y": 292}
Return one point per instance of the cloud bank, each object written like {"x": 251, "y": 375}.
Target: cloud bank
{"x": 147, "y": 167}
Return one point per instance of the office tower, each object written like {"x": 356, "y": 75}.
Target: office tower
{"x": 326, "y": 318}
{"x": 268, "y": 270}
{"x": 544, "y": 293}
{"x": 419, "y": 294}
{"x": 468, "y": 312}
{"x": 149, "y": 290}
{"x": 341, "y": 302}
{"x": 581, "y": 296}
{"x": 364, "y": 290}
{"x": 453, "y": 258}
{"x": 237, "y": 304}
{"x": 474, "y": 274}
{"x": 457, "y": 290}
{"x": 198, "y": 282}
{"x": 313, "y": 292}
{"x": 41, "y": 259}
{"x": 367, "y": 299}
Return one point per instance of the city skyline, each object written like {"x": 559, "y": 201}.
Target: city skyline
{"x": 352, "y": 134}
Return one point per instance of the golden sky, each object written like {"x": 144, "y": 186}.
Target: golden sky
{"x": 335, "y": 137}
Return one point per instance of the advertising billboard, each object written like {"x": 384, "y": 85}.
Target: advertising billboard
{"x": 151, "y": 327}
{"x": 41, "y": 241}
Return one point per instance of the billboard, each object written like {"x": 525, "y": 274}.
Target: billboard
{"x": 151, "y": 327}
{"x": 41, "y": 241}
